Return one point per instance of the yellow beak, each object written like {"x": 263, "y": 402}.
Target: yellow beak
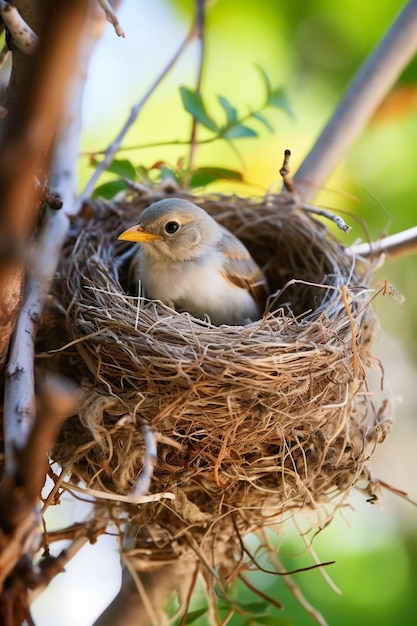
{"x": 137, "y": 233}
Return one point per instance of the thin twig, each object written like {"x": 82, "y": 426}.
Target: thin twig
{"x": 364, "y": 94}
{"x": 115, "y": 145}
{"x": 340, "y": 222}
{"x": 199, "y": 33}
{"x": 394, "y": 246}
{"x": 111, "y": 17}
{"x": 22, "y": 34}
{"x": 285, "y": 173}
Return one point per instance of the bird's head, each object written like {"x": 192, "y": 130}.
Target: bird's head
{"x": 175, "y": 229}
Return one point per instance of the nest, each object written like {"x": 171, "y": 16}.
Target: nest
{"x": 251, "y": 422}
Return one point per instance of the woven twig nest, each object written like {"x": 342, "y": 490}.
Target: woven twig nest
{"x": 250, "y": 422}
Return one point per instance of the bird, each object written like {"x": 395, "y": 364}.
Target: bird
{"x": 192, "y": 263}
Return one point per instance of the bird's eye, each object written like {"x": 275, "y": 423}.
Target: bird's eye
{"x": 171, "y": 227}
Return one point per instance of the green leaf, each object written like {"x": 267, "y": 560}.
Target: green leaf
{"x": 231, "y": 112}
{"x": 278, "y": 98}
{"x": 109, "y": 190}
{"x": 265, "y": 78}
{"x": 203, "y": 176}
{"x": 261, "y": 118}
{"x": 142, "y": 173}
{"x": 268, "y": 620}
{"x": 254, "y": 607}
{"x": 122, "y": 167}
{"x": 238, "y": 132}
{"x": 194, "y": 615}
{"x": 193, "y": 104}
{"x": 168, "y": 172}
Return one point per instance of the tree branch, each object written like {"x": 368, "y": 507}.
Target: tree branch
{"x": 364, "y": 94}
{"x": 22, "y": 34}
{"x": 35, "y": 107}
{"x": 394, "y": 246}
{"x": 30, "y": 427}
{"x": 132, "y": 606}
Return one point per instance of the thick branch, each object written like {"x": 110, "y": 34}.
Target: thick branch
{"x": 34, "y": 115}
{"x": 133, "y": 606}
{"x": 364, "y": 94}
{"x": 400, "y": 244}
{"x": 22, "y": 34}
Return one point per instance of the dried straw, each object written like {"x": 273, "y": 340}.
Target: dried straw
{"x": 250, "y": 422}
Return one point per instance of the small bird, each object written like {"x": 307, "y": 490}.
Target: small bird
{"x": 190, "y": 262}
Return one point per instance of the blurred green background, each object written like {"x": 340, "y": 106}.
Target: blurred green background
{"x": 312, "y": 49}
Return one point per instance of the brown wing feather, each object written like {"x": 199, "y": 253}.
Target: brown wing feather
{"x": 241, "y": 270}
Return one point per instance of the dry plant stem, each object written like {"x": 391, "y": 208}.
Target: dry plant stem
{"x": 23, "y": 35}
{"x": 394, "y": 246}
{"x": 111, "y": 17}
{"x": 298, "y": 595}
{"x": 114, "y": 147}
{"x": 364, "y": 94}
{"x": 199, "y": 34}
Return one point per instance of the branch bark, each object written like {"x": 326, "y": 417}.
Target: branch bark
{"x": 30, "y": 427}
{"x": 393, "y": 246}
{"x": 140, "y": 607}
{"x": 35, "y": 106}
{"x": 364, "y": 94}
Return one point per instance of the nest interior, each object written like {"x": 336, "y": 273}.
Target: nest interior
{"x": 250, "y": 422}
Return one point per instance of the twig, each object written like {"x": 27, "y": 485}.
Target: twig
{"x": 115, "y": 145}
{"x": 23, "y": 36}
{"x": 144, "y": 481}
{"x": 199, "y": 34}
{"x": 111, "y": 17}
{"x": 394, "y": 246}
{"x": 340, "y": 222}
{"x": 363, "y": 96}
{"x": 285, "y": 173}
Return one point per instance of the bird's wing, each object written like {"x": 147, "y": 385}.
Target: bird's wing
{"x": 240, "y": 269}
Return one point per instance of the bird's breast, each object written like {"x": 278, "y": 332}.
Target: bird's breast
{"x": 198, "y": 286}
